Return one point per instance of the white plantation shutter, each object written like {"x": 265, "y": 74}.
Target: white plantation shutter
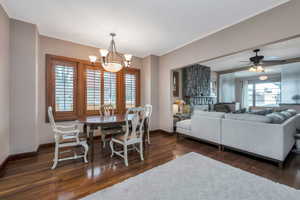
{"x": 130, "y": 89}
{"x": 110, "y": 88}
{"x": 93, "y": 89}
{"x": 64, "y": 88}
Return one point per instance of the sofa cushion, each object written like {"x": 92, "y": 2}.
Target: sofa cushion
{"x": 282, "y": 115}
{"x": 276, "y": 118}
{"x": 292, "y": 111}
{"x": 249, "y": 117}
{"x": 262, "y": 112}
{"x": 218, "y": 115}
{"x": 184, "y": 124}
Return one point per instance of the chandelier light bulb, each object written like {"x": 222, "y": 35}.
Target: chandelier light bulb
{"x": 103, "y": 52}
{"x": 93, "y": 59}
{"x": 128, "y": 57}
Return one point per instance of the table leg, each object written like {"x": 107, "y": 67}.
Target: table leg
{"x": 91, "y": 143}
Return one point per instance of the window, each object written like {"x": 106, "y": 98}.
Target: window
{"x": 110, "y": 91}
{"x": 130, "y": 89}
{"x": 265, "y": 94}
{"x": 77, "y": 88}
{"x": 62, "y": 91}
{"x": 93, "y": 89}
{"x": 64, "y": 88}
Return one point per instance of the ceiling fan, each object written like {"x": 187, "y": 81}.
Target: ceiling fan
{"x": 258, "y": 60}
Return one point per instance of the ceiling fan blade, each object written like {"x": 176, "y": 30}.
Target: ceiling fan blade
{"x": 273, "y": 61}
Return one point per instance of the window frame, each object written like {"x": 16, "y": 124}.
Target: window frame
{"x": 59, "y": 115}
{"x": 80, "y": 97}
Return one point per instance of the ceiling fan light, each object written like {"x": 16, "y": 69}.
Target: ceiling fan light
{"x": 252, "y": 69}
{"x": 263, "y": 77}
{"x": 260, "y": 69}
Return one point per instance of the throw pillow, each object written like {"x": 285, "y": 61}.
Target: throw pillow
{"x": 292, "y": 111}
{"x": 276, "y": 118}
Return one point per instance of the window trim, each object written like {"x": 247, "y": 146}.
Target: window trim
{"x": 80, "y": 109}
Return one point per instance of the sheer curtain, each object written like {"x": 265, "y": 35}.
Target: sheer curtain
{"x": 290, "y": 83}
{"x": 227, "y": 88}
{"x": 245, "y": 99}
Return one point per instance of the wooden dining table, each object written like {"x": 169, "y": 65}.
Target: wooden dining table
{"x": 91, "y": 123}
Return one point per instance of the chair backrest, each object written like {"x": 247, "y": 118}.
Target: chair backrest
{"x": 106, "y": 110}
{"x": 135, "y": 116}
{"x": 148, "y": 110}
{"x": 51, "y": 118}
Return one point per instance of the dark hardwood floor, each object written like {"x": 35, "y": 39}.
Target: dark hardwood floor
{"x": 31, "y": 178}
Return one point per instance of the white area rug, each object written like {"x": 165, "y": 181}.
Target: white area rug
{"x": 196, "y": 177}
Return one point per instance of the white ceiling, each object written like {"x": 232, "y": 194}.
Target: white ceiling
{"x": 281, "y": 50}
{"x": 142, "y": 27}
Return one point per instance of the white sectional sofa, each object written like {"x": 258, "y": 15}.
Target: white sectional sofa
{"x": 243, "y": 132}
{"x": 207, "y": 126}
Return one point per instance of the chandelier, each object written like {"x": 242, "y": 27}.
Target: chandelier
{"x": 111, "y": 60}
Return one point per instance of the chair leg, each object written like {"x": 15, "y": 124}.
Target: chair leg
{"x": 112, "y": 148}
{"x": 141, "y": 151}
{"x": 125, "y": 155}
{"x": 86, "y": 150}
{"x": 148, "y": 133}
{"x": 55, "y": 156}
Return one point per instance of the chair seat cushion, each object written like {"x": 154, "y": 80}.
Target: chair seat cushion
{"x": 121, "y": 139}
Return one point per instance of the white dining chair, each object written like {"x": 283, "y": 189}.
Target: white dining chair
{"x": 133, "y": 135}
{"x": 107, "y": 110}
{"x": 66, "y": 136}
{"x": 148, "y": 113}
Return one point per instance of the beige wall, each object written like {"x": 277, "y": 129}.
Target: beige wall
{"x": 273, "y": 25}
{"x": 4, "y": 85}
{"x": 23, "y": 85}
{"x": 149, "y": 77}
{"x": 60, "y": 48}
{"x": 154, "y": 92}
{"x": 146, "y": 80}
